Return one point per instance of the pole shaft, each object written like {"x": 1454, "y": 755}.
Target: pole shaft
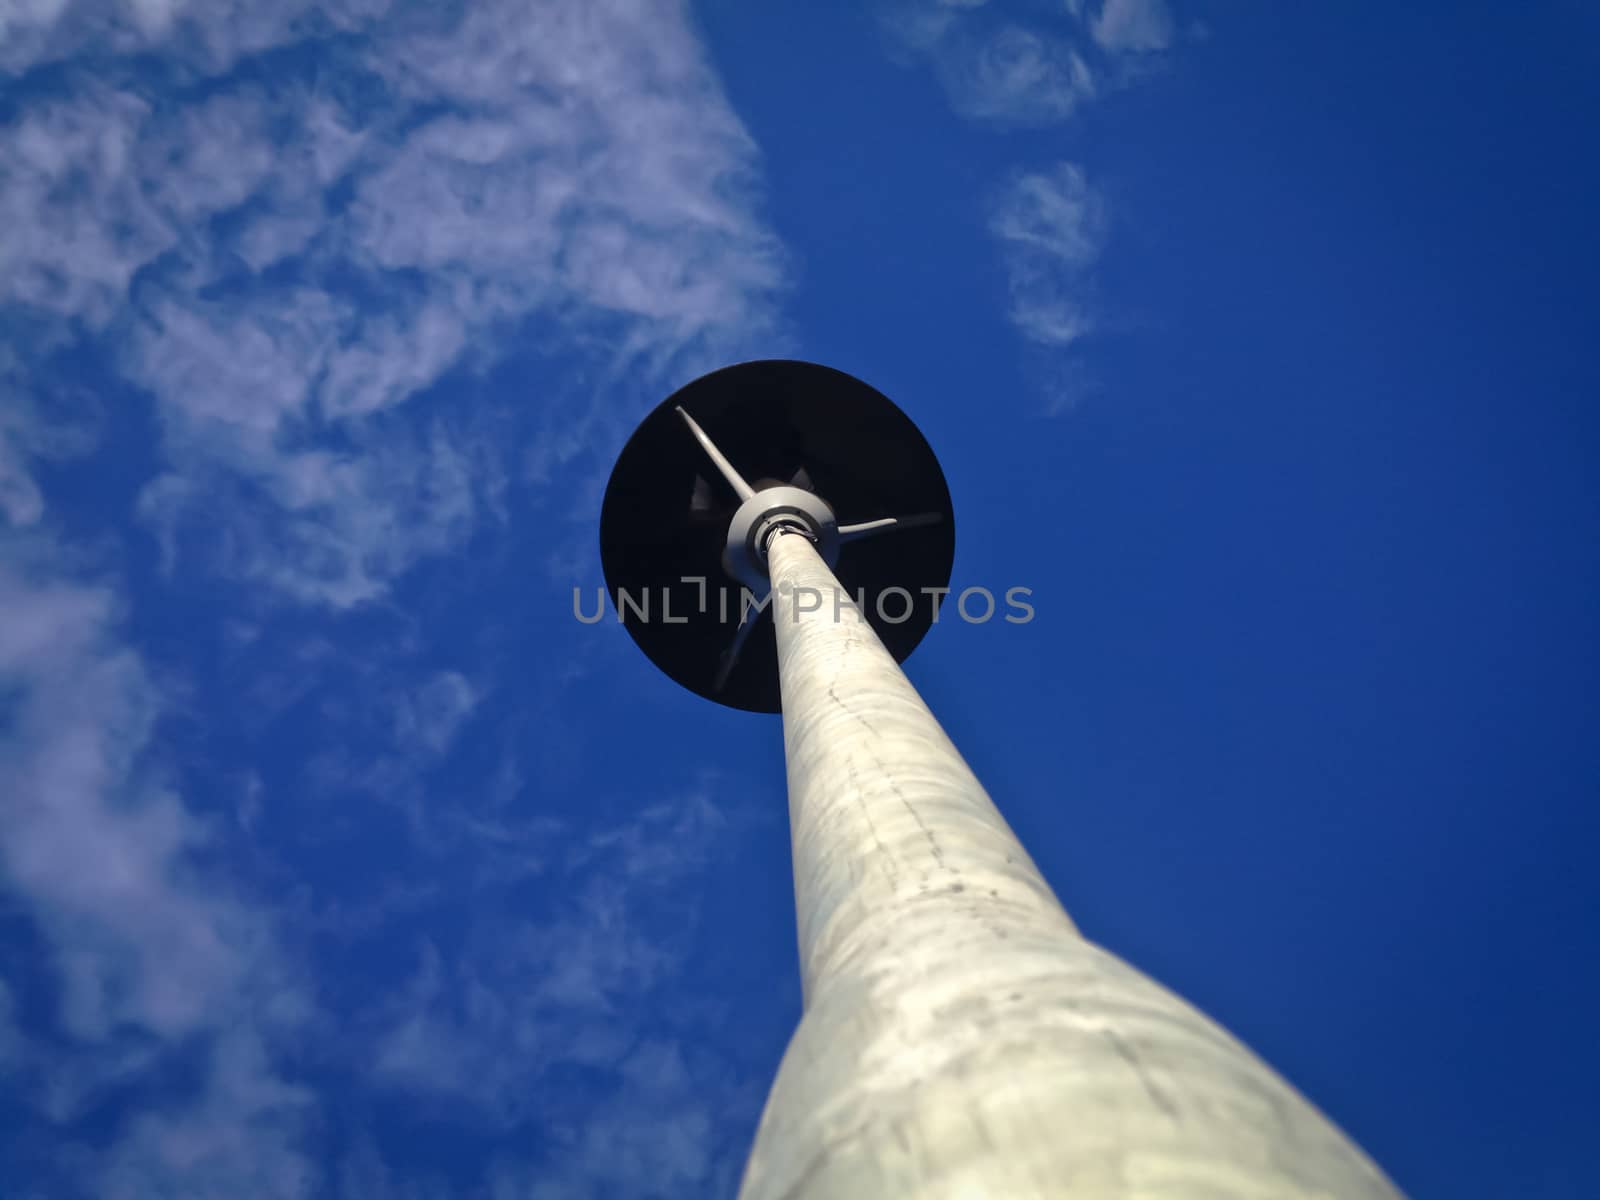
{"x": 960, "y": 1038}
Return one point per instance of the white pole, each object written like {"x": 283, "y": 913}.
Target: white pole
{"x": 960, "y": 1038}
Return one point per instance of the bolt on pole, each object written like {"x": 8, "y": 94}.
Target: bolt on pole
{"x": 960, "y": 1038}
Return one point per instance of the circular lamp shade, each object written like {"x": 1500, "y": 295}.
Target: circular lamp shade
{"x": 664, "y": 521}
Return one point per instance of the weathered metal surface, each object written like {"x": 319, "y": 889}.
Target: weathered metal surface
{"x": 960, "y": 1038}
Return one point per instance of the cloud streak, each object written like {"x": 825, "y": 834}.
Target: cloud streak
{"x": 150, "y": 951}
{"x": 1001, "y": 73}
{"x": 1050, "y": 226}
{"x": 586, "y": 986}
{"x": 1136, "y": 26}
{"x": 277, "y": 265}
{"x": 299, "y": 275}
{"x": 104, "y": 870}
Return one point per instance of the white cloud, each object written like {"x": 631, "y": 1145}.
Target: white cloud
{"x": 524, "y": 996}
{"x": 572, "y": 164}
{"x": 1006, "y": 74}
{"x": 431, "y": 715}
{"x": 206, "y": 35}
{"x": 1016, "y": 75}
{"x": 243, "y": 1136}
{"x": 1053, "y": 214}
{"x": 665, "y": 841}
{"x": 1050, "y": 226}
{"x": 596, "y": 165}
{"x": 21, "y": 502}
{"x": 138, "y": 944}
{"x": 31, "y": 432}
{"x": 526, "y": 993}
{"x": 1028, "y": 73}
{"x": 230, "y": 378}
{"x": 658, "y": 1132}
{"x": 67, "y": 177}
{"x": 282, "y": 269}
{"x": 1133, "y": 25}
{"x": 149, "y": 950}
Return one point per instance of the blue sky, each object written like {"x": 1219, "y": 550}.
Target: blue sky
{"x": 338, "y": 860}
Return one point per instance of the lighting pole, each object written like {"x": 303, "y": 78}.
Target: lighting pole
{"x": 960, "y": 1038}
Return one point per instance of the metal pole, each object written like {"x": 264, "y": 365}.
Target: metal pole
{"x": 960, "y": 1038}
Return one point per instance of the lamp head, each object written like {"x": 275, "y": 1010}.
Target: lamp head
{"x": 683, "y": 531}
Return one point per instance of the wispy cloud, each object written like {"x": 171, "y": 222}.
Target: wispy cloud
{"x": 208, "y": 36}
{"x": 431, "y": 714}
{"x": 151, "y": 951}
{"x": 1050, "y": 226}
{"x": 243, "y": 1136}
{"x": 299, "y": 271}
{"x": 1133, "y": 25}
{"x": 141, "y": 945}
{"x": 996, "y": 71}
{"x": 1018, "y": 75}
{"x": 33, "y": 433}
{"x": 583, "y": 986}
{"x": 278, "y": 264}
{"x": 66, "y": 174}
{"x": 956, "y": 27}
{"x": 658, "y": 1129}
{"x": 1049, "y": 223}
{"x": 526, "y": 993}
